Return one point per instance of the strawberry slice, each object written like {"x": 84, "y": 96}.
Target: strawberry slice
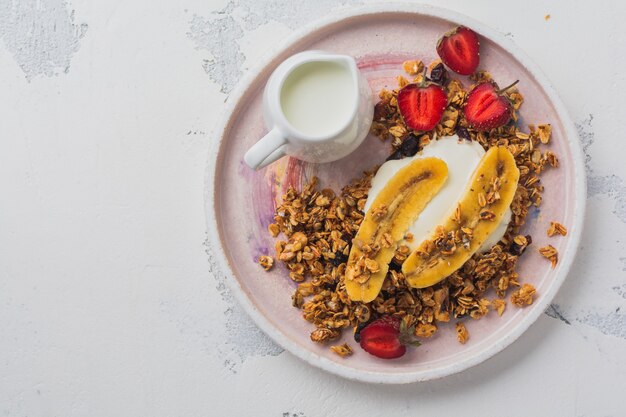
{"x": 459, "y": 50}
{"x": 387, "y": 337}
{"x": 487, "y": 107}
{"x": 422, "y": 106}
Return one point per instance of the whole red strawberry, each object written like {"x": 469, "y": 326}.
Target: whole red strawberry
{"x": 422, "y": 105}
{"x": 387, "y": 337}
{"x": 459, "y": 50}
{"x": 487, "y": 107}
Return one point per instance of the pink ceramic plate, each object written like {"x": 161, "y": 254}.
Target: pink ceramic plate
{"x": 240, "y": 202}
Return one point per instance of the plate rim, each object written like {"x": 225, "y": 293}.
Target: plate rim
{"x": 219, "y": 265}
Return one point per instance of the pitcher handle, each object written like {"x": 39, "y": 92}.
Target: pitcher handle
{"x": 267, "y": 150}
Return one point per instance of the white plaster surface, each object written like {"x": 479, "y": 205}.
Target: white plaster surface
{"x": 108, "y": 306}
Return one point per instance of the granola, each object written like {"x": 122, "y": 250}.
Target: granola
{"x": 319, "y": 225}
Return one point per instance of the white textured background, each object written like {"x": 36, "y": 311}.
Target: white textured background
{"x": 107, "y": 303}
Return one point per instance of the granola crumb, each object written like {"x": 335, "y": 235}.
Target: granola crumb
{"x": 273, "y": 229}
{"x": 379, "y": 212}
{"x": 402, "y": 82}
{"x": 425, "y": 330}
{"x": 413, "y": 67}
{"x": 323, "y": 334}
{"x": 557, "y": 228}
{"x": 550, "y": 253}
{"x": 267, "y": 262}
{"x": 342, "y": 350}
{"x": 499, "y": 305}
{"x": 544, "y": 132}
{"x": 462, "y": 334}
{"x": 524, "y": 296}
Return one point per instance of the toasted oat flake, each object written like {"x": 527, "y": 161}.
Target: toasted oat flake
{"x": 342, "y": 350}
{"x": 482, "y": 200}
{"x": 557, "y": 228}
{"x": 462, "y": 334}
{"x": 425, "y": 330}
{"x": 266, "y": 262}
{"x": 524, "y": 296}
{"x": 457, "y": 214}
{"x": 549, "y": 252}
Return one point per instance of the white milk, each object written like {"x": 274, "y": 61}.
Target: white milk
{"x": 462, "y": 158}
{"x": 317, "y": 98}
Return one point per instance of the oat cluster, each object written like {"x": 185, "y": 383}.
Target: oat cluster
{"x": 319, "y": 225}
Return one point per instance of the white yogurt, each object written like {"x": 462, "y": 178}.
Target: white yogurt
{"x": 462, "y": 158}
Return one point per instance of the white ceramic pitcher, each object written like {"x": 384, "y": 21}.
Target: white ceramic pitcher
{"x": 342, "y": 120}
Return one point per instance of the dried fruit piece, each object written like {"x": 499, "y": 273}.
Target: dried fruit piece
{"x": 438, "y": 73}
{"x": 459, "y": 49}
{"x": 462, "y": 133}
{"x": 431, "y": 263}
{"x": 487, "y": 107}
{"x": 404, "y": 197}
{"x": 397, "y": 154}
{"x": 422, "y": 105}
{"x": 387, "y": 337}
{"x": 410, "y": 145}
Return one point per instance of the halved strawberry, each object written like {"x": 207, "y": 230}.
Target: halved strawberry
{"x": 487, "y": 107}
{"x": 459, "y": 50}
{"x": 387, "y": 337}
{"x": 422, "y": 106}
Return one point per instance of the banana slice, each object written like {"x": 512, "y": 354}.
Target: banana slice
{"x": 395, "y": 208}
{"x": 488, "y": 195}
